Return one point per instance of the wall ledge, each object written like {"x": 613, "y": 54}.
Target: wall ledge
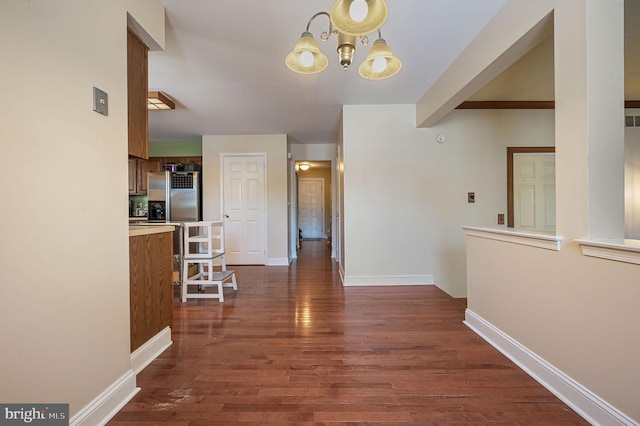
{"x": 510, "y": 235}
{"x": 583, "y": 401}
{"x": 619, "y": 250}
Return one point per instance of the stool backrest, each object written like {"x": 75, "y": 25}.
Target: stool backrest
{"x": 203, "y": 240}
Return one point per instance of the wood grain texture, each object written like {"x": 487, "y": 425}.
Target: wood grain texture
{"x": 137, "y": 88}
{"x": 292, "y": 346}
{"x": 150, "y": 286}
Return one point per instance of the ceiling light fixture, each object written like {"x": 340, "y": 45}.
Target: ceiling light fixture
{"x": 304, "y": 166}
{"x": 349, "y": 20}
{"x": 159, "y": 100}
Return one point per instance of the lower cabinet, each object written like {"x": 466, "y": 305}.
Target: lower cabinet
{"x": 151, "y": 285}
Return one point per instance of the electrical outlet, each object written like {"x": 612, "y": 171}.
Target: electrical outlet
{"x": 500, "y": 218}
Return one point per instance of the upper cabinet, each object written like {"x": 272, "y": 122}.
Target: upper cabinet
{"x": 137, "y": 86}
{"x": 138, "y": 170}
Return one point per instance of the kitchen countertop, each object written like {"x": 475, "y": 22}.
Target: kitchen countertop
{"x": 135, "y": 231}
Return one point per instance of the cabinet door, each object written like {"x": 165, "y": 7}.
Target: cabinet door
{"x": 133, "y": 176}
{"x": 152, "y": 165}
{"x": 137, "y": 87}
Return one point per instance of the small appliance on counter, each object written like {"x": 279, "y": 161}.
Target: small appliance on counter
{"x": 174, "y": 196}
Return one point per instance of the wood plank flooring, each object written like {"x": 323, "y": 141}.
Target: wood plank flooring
{"x": 293, "y": 346}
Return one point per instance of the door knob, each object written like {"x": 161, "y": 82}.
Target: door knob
{"x": 227, "y": 216}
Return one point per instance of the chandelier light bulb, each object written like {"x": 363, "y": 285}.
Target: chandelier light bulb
{"x": 379, "y": 64}
{"x": 306, "y": 58}
{"x": 359, "y": 10}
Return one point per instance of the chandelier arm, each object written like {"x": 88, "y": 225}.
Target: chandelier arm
{"x": 325, "y": 34}
{"x": 365, "y": 40}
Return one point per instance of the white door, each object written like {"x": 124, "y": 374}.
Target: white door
{"x": 534, "y": 191}
{"x": 311, "y": 207}
{"x": 244, "y": 209}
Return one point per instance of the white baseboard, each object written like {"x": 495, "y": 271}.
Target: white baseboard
{"x": 278, "y": 261}
{"x": 588, "y": 405}
{"x": 106, "y": 405}
{"x": 146, "y": 353}
{"x": 353, "y": 281}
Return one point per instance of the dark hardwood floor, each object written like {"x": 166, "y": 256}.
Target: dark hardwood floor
{"x": 293, "y": 346}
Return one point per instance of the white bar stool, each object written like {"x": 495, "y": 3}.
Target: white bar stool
{"x": 203, "y": 248}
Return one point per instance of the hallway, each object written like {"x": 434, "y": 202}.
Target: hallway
{"x": 293, "y": 346}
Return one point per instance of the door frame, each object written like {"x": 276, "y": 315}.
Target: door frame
{"x": 224, "y": 155}
{"x": 511, "y": 151}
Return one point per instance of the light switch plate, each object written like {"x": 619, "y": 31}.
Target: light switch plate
{"x": 471, "y": 197}
{"x": 100, "y": 101}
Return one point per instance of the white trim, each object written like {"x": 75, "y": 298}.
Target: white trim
{"x": 278, "y": 261}
{"x": 108, "y": 403}
{"x": 146, "y": 353}
{"x": 620, "y": 250}
{"x": 362, "y": 280}
{"x": 509, "y": 235}
{"x": 588, "y": 405}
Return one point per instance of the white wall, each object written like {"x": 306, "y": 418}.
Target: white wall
{"x": 405, "y": 195}
{"x": 276, "y": 148}
{"x": 64, "y": 245}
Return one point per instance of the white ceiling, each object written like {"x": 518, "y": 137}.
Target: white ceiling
{"x": 224, "y": 65}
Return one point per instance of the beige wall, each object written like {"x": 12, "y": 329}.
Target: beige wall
{"x": 576, "y": 313}
{"x": 64, "y": 246}
{"x": 632, "y": 179}
{"x": 275, "y": 146}
{"x": 405, "y": 202}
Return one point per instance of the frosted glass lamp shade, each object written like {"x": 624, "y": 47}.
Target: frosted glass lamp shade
{"x": 306, "y": 57}
{"x": 372, "y": 68}
{"x": 343, "y": 21}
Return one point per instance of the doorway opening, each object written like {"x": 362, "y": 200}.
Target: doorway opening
{"x": 314, "y": 201}
{"x": 531, "y": 188}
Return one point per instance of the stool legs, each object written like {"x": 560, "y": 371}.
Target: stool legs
{"x": 205, "y": 277}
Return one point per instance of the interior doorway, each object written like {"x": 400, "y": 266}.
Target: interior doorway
{"x": 314, "y": 205}
{"x": 244, "y": 208}
{"x": 531, "y": 188}
{"x": 311, "y": 207}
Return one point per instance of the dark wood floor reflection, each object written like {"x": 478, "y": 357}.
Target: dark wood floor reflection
{"x": 293, "y": 346}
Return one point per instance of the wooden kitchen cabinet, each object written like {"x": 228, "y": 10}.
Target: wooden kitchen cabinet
{"x": 151, "y": 285}
{"x": 184, "y": 160}
{"x": 138, "y": 174}
{"x": 137, "y": 89}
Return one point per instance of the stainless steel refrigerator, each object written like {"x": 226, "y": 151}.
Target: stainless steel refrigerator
{"x": 174, "y": 196}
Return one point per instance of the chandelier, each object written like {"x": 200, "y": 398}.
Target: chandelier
{"x": 349, "y": 20}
